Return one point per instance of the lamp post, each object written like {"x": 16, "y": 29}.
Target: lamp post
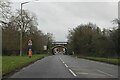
{"x": 21, "y": 28}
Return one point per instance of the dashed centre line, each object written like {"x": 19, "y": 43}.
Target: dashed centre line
{"x": 72, "y": 72}
{"x": 62, "y": 60}
{"x": 68, "y": 67}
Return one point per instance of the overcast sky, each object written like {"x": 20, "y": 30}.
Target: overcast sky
{"x": 59, "y": 17}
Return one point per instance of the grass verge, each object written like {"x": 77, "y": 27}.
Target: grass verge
{"x": 106, "y": 60}
{"x": 12, "y": 63}
{"x": 0, "y": 66}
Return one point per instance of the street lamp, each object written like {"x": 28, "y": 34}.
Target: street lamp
{"x": 22, "y": 27}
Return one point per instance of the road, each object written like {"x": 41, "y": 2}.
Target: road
{"x": 64, "y": 66}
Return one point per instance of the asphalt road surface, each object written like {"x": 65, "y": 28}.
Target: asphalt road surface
{"x": 64, "y": 66}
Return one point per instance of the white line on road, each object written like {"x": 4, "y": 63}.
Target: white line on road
{"x": 72, "y": 72}
{"x": 68, "y": 68}
{"x": 66, "y": 65}
{"x": 62, "y": 60}
{"x": 105, "y": 73}
{"x": 82, "y": 73}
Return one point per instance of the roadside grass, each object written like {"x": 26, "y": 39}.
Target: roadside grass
{"x": 0, "y": 66}
{"x": 12, "y": 63}
{"x": 114, "y": 61}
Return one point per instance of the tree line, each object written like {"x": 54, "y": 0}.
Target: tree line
{"x": 11, "y": 27}
{"x": 90, "y": 40}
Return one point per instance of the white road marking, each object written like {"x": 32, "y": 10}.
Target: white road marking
{"x": 62, "y": 60}
{"x": 66, "y": 65}
{"x": 68, "y": 68}
{"x": 72, "y": 72}
{"x": 105, "y": 73}
{"x": 82, "y": 73}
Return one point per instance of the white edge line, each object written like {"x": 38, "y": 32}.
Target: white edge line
{"x": 66, "y": 65}
{"x": 105, "y": 73}
{"x": 72, "y": 72}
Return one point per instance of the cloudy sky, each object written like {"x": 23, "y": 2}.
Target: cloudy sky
{"x": 59, "y": 17}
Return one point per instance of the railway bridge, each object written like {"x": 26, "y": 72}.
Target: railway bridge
{"x": 59, "y": 48}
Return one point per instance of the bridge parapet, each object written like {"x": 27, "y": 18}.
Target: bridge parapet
{"x": 59, "y": 43}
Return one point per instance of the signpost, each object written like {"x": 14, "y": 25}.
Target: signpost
{"x": 30, "y": 50}
{"x": 30, "y": 43}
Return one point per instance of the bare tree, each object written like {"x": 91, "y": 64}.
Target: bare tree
{"x": 5, "y": 10}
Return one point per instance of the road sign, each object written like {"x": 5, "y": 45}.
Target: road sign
{"x": 30, "y": 42}
{"x": 45, "y": 47}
